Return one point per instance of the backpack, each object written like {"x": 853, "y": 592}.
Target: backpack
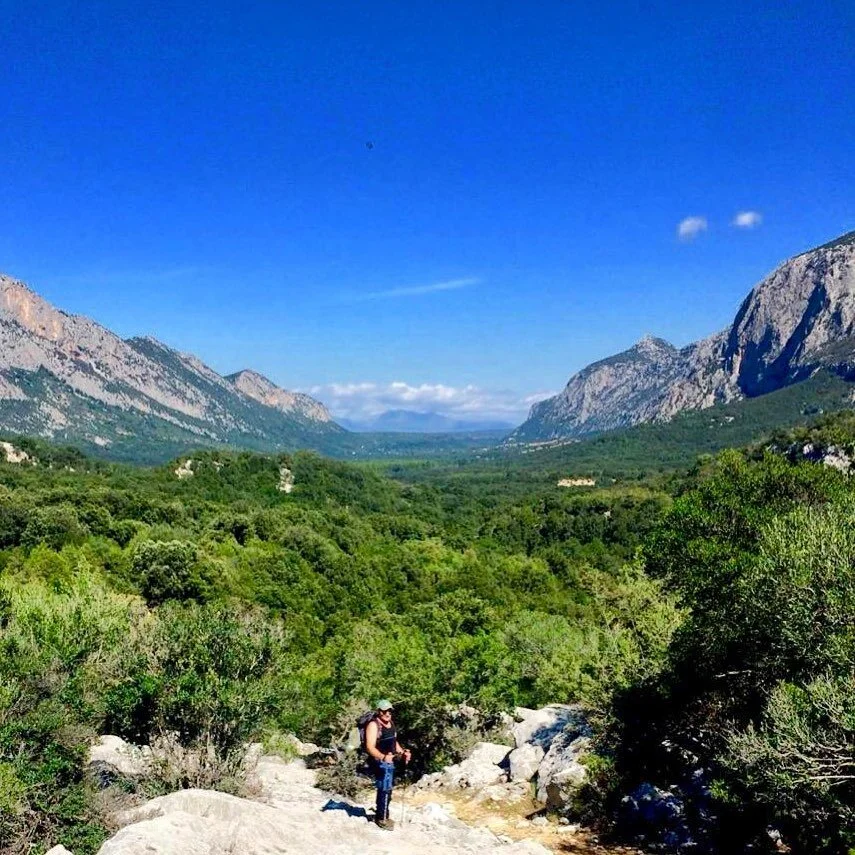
{"x": 361, "y": 725}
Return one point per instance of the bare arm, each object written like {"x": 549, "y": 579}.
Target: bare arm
{"x": 371, "y": 733}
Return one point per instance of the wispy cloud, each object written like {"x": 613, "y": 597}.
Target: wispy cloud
{"x": 364, "y": 399}
{"x": 415, "y": 290}
{"x": 747, "y": 220}
{"x": 690, "y": 227}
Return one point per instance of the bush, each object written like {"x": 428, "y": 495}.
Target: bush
{"x": 801, "y": 763}
{"x": 168, "y": 570}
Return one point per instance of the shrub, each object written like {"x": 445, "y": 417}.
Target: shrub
{"x": 801, "y": 763}
{"x": 168, "y": 570}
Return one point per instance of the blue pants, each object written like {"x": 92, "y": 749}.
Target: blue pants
{"x": 384, "y": 778}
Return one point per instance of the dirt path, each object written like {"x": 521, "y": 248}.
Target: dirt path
{"x": 511, "y": 821}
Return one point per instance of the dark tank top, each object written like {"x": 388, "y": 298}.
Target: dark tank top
{"x": 386, "y": 739}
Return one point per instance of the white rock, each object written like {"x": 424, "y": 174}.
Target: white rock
{"x": 297, "y": 819}
{"x": 58, "y": 850}
{"x": 489, "y": 752}
{"x": 560, "y": 772}
{"x": 508, "y": 793}
{"x": 303, "y": 749}
{"x": 542, "y": 726}
{"x": 113, "y": 754}
{"x": 524, "y": 761}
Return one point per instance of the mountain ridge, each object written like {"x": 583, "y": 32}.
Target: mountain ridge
{"x": 796, "y": 320}
{"x": 67, "y": 377}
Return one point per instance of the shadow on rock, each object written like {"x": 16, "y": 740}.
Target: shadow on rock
{"x": 355, "y": 811}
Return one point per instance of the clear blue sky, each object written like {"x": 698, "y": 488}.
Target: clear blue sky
{"x": 201, "y": 172}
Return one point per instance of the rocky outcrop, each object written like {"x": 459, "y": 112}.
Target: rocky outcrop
{"x": 11, "y": 454}
{"x": 481, "y": 768}
{"x": 550, "y": 746}
{"x": 799, "y": 319}
{"x": 112, "y": 756}
{"x": 292, "y": 816}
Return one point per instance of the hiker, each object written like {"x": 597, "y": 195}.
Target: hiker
{"x": 381, "y": 743}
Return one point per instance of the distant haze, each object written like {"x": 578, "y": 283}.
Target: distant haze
{"x": 409, "y": 421}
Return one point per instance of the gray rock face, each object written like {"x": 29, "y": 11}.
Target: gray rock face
{"x": 799, "y": 319}
{"x": 561, "y": 772}
{"x": 261, "y": 389}
{"x": 540, "y": 727}
{"x": 66, "y": 375}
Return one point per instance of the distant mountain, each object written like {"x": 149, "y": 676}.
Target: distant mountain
{"x": 67, "y": 378}
{"x": 409, "y": 421}
{"x": 798, "y": 320}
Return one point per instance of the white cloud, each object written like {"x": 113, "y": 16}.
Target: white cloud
{"x": 362, "y": 400}
{"x": 690, "y": 227}
{"x": 747, "y": 220}
{"x": 415, "y": 290}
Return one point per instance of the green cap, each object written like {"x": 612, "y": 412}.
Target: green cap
{"x": 384, "y": 705}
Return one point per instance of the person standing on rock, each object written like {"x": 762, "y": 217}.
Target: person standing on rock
{"x": 381, "y": 743}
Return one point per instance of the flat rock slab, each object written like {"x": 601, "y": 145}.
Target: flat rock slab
{"x": 295, "y": 818}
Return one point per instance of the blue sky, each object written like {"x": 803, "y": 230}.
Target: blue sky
{"x": 468, "y": 200}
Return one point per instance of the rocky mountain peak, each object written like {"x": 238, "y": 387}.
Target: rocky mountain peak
{"x": 23, "y": 306}
{"x": 259, "y": 388}
{"x": 798, "y": 319}
{"x": 66, "y": 375}
{"x": 652, "y": 347}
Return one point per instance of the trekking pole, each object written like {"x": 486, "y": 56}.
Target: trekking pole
{"x": 404, "y": 794}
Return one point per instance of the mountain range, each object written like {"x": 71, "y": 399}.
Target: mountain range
{"x": 797, "y": 321}
{"x": 67, "y": 378}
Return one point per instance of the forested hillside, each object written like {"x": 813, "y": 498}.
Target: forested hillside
{"x": 703, "y": 619}
{"x": 218, "y": 607}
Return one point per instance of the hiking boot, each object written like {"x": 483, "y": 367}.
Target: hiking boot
{"x": 388, "y": 824}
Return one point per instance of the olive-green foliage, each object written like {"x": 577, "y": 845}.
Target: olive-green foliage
{"x": 761, "y": 551}
{"x": 800, "y": 762}
{"x": 58, "y": 651}
{"x": 203, "y": 613}
{"x": 167, "y": 571}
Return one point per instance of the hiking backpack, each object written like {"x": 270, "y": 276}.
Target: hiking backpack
{"x": 362, "y": 724}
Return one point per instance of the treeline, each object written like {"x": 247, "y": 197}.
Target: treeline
{"x": 216, "y": 609}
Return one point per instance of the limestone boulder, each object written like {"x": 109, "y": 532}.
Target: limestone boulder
{"x": 540, "y": 727}
{"x": 561, "y": 772}
{"x": 111, "y": 755}
{"x": 480, "y": 769}
{"x": 524, "y": 761}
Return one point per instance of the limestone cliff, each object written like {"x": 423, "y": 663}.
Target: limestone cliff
{"x": 66, "y": 377}
{"x": 799, "y": 319}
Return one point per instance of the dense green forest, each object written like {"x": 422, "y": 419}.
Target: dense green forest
{"x": 704, "y": 618}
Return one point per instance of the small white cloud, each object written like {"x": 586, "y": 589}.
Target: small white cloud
{"x": 747, "y": 220}
{"x": 690, "y": 227}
